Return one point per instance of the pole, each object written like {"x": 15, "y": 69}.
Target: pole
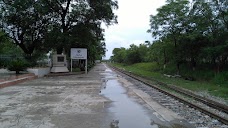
{"x": 86, "y": 67}
{"x": 70, "y": 65}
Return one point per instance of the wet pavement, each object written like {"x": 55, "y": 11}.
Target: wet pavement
{"x": 129, "y": 109}
{"x": 4, "y": 74}
{"x": 100, "y": 99}
{"x": 127, "y": 112}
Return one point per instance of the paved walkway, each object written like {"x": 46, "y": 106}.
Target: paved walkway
{"x": 73, "y": 102}
{"x": 4, "y": 73}
{"x": 64, "y": 102}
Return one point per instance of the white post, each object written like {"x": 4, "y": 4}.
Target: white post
{"x": 86, "y": 67}
{"x": 71, "y": 65}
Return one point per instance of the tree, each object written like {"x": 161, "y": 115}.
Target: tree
{"x": 119, "y": 55}
{"x": 80, "y": 16}
{"x": 170, "y": 23}
{"x": 143, "y": 51}
{"x": 25, "y": 22}
{"x": 133, "y": 55}
{"x": 7, "y": 47}
{"x": 198, "y": 32}
{"x": 57, "y": 24}
{"x": 8, "y": 50}
{"x": 211, "y": 21}
{"x": 161, "y": 51}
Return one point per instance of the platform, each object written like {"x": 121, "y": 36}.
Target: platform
{"x": 99, "y": 99}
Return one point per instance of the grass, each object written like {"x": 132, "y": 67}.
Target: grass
{"x": 76, "y": 69}
{"x": 151, "y": 71}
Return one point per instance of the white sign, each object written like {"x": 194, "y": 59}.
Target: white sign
{"x": 78, "y": 53}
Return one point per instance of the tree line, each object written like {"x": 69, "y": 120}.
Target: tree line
{"x": 191, "y": 34}
{"x": 39, "y": 26}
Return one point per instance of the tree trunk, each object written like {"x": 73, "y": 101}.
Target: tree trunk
{"x": 176, "y": 57}
{"x": 165, "y": 59}
{"x": 193, "y": 64}
{"x": 17, "y": 71}
{"x": 178, "y": 68}
{"x": 214, "y": 65}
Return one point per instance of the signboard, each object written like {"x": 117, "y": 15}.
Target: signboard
{"x": 78, "y": 53}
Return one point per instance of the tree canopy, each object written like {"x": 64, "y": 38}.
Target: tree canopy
{"x": 197, "y": 30}
{"x": 43, "y": 25}
{"x": 188, "y": 33}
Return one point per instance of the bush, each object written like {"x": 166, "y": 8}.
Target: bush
{"x": 4, "y": 62}
{"x": 76, "y": 69}
{"x": 17, "y": 65}
{"x": 221, "y": 78}
{"x": 170, "y": 69}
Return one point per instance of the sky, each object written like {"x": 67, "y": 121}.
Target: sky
{"x": 133, "y": 23}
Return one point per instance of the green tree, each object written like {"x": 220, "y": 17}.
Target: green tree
{"x": 25, "y": 22}
{"x": 8, "y": 50}
{"x": 170, "y": 23}
{"x": 161, "y": 51}
{"x": 211, "y": 20}
{"x": 43, "y": 25}
{"x": 7, "y": 47}
{"x": 119, "y": 55}
{"x": 75, "y": 18}
{"x": 133, "y": 55}
{"x": 191, "y": 33}
{"x": 143, "y": 51}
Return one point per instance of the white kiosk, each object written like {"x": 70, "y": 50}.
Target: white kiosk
{"x": 59, "y": 63}
{"x": 79, "y": 54}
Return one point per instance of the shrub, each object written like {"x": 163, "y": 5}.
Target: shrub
{"x": 17, "y": 65}
{"x": 221, "y": 78}
{"x": 2, "y": 63}
{"x": 76, "y": 69}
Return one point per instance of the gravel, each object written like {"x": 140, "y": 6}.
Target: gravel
{"x": 195, "y": 117}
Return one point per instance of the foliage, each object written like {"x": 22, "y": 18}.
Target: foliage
{"x": 76, "y": 70}
{"x": 7, "y": 47}
{"x": 44, "y": 25}
{"x": 189, "y": 36}
{"x": 25, "y": 22}
{"x": 134, "y": 54}
{"x": 148, "y": 70}
{"x": 17, "y": 65}
{"x": 119, "y": 55}
{"x": 221, "y": 79}
{"x": 194, "y": 32}
{"x": 78, "y": 24}
{"x": 8, "y": 50}
{"x": 191, "y": 40}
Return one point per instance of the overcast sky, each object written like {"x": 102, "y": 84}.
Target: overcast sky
{"x": 133, "y": 23}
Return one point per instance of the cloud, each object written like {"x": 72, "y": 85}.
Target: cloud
{"x": 133, "y": 23}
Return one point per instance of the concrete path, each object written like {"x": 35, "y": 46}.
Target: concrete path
{"x": 74, "y": 102}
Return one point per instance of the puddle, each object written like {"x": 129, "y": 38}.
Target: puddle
{"x": 127, "y": 112}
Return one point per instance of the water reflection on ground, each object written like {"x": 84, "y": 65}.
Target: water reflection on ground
{"x": 128, "y": 113}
